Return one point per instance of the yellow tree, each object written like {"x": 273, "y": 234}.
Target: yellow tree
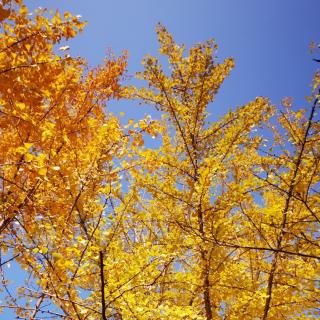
{"x": 290, "y": 224}
{"x": 236, "y": 218}
{"x": 197, "y": 179}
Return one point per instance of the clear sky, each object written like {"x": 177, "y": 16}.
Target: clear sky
{"x": 269, "y": 41}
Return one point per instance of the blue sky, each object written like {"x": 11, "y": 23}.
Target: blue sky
{"x": 269, "y": 41}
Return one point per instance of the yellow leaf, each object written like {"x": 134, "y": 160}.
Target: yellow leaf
{"x": 42, "y": 171}
{"x": 28, "y": 145}
{"x": 57, "y": 256}
{"x": 44, "y": 250}
{"x": 28, "y": 157}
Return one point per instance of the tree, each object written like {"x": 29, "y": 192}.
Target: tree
{"x": 216, "y": 222}
{"x": 56, "y": 150}
{"x": 240, "y": 219}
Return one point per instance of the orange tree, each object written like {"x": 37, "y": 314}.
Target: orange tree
{"x": 56, "y": 151}
{"x": 218, "y": 222}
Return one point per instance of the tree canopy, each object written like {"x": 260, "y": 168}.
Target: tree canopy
{"x": 216, "y": 220}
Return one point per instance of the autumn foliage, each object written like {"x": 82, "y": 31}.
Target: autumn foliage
{"x": 216, "y": 220}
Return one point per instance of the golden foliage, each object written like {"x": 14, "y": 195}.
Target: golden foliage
{"x": 217, "y": 222}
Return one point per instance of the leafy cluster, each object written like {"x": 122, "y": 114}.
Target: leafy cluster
{"x": 220, "y": 221}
